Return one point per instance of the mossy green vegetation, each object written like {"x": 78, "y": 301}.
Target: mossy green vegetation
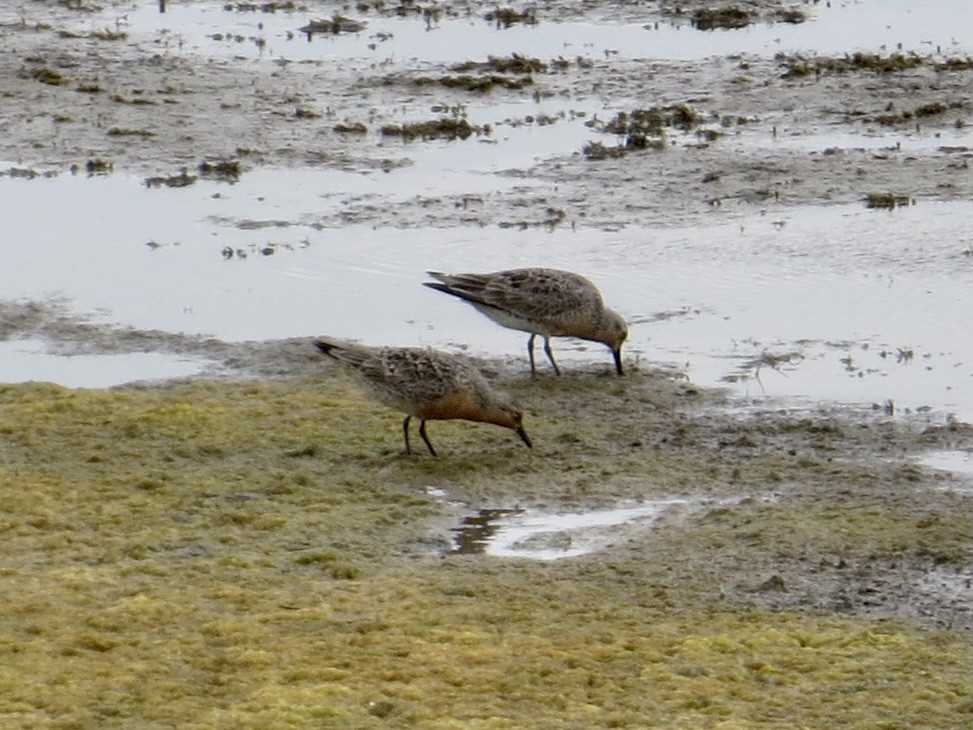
{"x": 261, "y": 555}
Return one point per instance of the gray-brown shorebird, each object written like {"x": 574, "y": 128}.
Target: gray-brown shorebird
{"x": 428, "y": 385}
{"x": 546, "y": 302}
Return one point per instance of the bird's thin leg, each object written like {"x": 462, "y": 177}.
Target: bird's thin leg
{"x": 422, "y": 432}
{"x": 405, "y": 430}
{"x": 530, "y": 353}
{"x": 550, "y": 355}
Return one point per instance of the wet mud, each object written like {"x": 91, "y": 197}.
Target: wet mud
{"x": 96, "y": 101}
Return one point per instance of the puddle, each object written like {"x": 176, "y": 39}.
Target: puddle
{"x": 899, "y": 141}
{"x": 32, "y": 361}
{"x": 515, "y": 533}
{"x": 958, "y": 462}
{"x": 832, "y": 28}
{"x": 868, "y": 372}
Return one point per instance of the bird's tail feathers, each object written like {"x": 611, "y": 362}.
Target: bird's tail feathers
{"x": 456, "y": 286}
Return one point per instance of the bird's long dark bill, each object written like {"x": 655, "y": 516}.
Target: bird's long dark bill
{"x": 618, "y": 361}
{"x": 524, "y": 437}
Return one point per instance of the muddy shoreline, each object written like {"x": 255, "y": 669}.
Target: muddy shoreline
{"x": 611, "y": 442}
{"x": 102, "y": 103}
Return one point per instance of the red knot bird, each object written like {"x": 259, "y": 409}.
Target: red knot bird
{"x": 546, "y": 302}
{"x": 426, "y": 384}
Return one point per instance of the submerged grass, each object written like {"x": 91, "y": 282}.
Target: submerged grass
{"x": 257, "y": 555}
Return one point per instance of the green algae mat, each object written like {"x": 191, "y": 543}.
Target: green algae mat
{"x": 260, "y": 555}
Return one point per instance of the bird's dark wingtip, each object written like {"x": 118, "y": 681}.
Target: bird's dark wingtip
{"x": 437, "y": 286}
{"x": 325, "y": 346}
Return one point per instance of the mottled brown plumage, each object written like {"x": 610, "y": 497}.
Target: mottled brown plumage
{"x": 546, "y": 302}
{"x": 426, "y": 384}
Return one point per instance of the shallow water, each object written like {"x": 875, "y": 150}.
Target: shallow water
{"x": 958, "y": 462}
{"x": 863, "y": 305}
{"x": 34, "y": 360}
{"x": 834, "y": 27}
{"x": 839, "y": 303}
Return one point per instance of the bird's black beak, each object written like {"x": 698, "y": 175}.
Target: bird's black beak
{"x": 618, "y": 360}
{"x": 524, "y": 437}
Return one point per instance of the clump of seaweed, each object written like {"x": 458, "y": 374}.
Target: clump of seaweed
{"x": 798, "y": 66}
{"x": 21, "y": 173}
{"x": 887, "y": 200}
{"x": 599, "y": 151}
{"x": 730, "y": 17}
{"x": 513, "y": 72}
{"x": 890, "y": 116}
{"x": 225, "y": 170}
{"x": 552, "y": 218}
{"x": 444, "y": 128}
{"x": 468, "y": 82}
{"x": 932, "y": 109}
{"x": 956, "y": 64}
{"x": 49, "y": 76}
{"x": 135, "y": 100}
{"x": 127, "y": 132}
{"x": 516, "y": 63}
{"x": 793, "y": 16}
{"x": 508, "y": 17}
{"x": 98, "y": 166}
{"x": 268, "y": 7}
{"x": 334, "y": 25}
{"x": 652, "y": 122}
{"x": 643, "y": 129}
{"x": 352, "y": 128}
{"x": 182, "y": 180}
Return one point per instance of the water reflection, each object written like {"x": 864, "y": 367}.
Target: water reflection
{"x": 475, "y": 531}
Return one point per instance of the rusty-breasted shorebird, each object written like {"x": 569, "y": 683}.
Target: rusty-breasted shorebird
{"x": 546, "y": 302}
{"x": 430, "y": 385}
